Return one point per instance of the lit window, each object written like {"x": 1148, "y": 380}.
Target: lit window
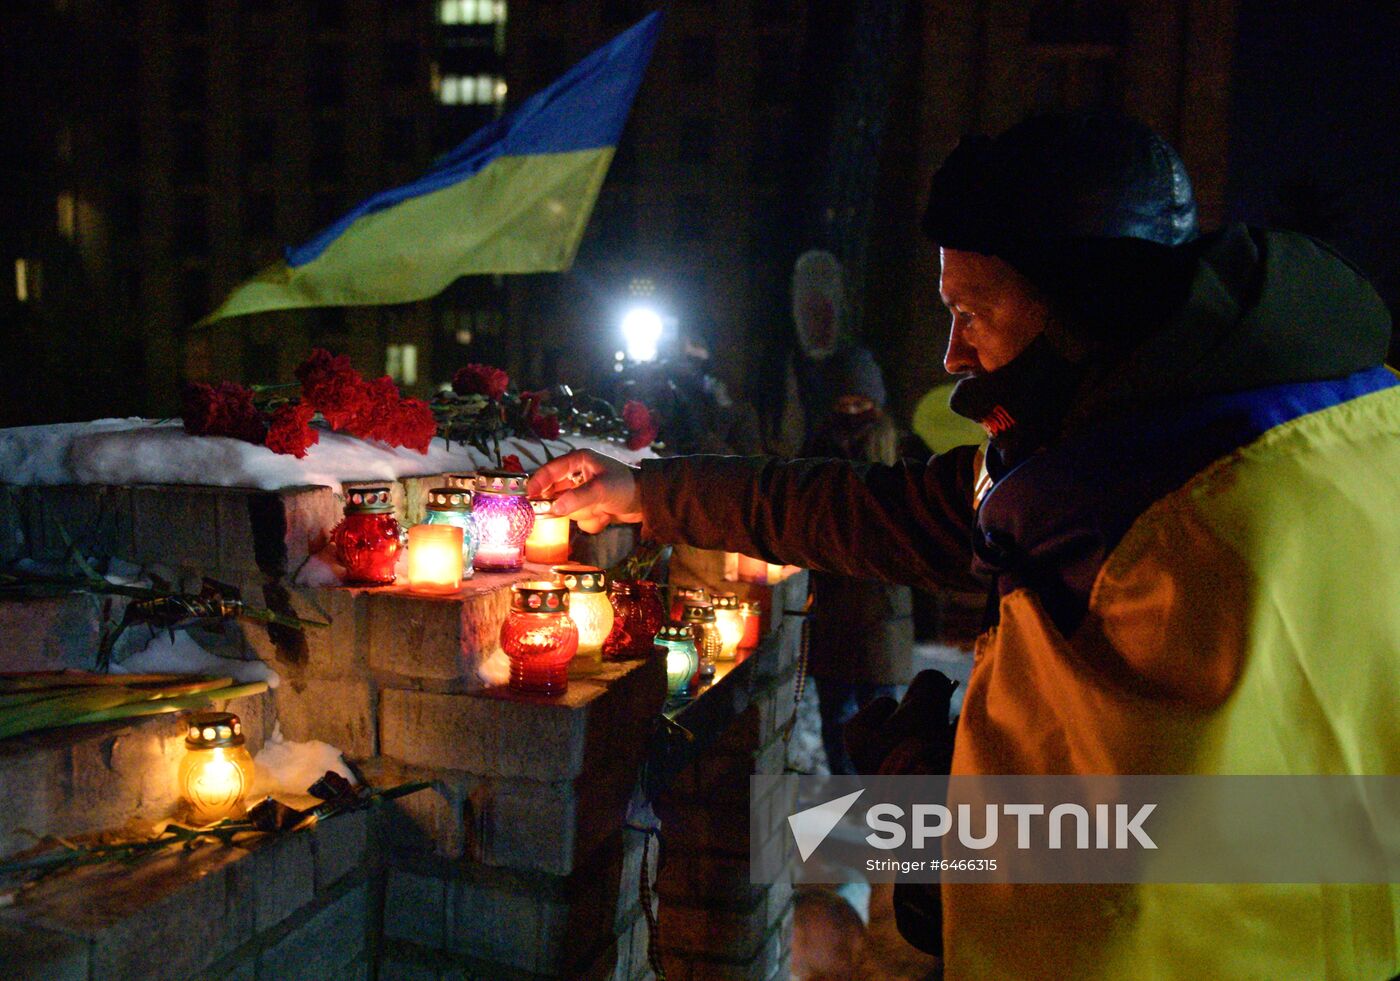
{"x": 471, "y": 90}
{"x": 453, "y": 12}
{"x": 401, "y": 363}
{"x": 67, "y": 215}
{"x": 27, "y": 279}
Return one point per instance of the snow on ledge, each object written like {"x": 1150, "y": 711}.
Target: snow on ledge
{"x": 139, "y": 451}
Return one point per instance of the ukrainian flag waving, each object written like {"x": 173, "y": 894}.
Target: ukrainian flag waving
{"x": 513, "y": 198}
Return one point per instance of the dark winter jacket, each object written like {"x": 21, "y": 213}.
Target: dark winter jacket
{"x": 1201, "y": 575}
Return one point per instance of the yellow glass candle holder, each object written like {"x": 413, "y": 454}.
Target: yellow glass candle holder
{"x": 589, "y": 605}
{"x": 549, "y": 536}
{"x": 730, "y": 621}
{"x": 217, "y": 771}
{"x": 435, "y": 558}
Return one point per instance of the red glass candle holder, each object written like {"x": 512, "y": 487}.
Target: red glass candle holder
{"x": 681, "y": 595}
{"x": 367, "y": 540}
{"x": 637, "y": 616}
{"x": 539, "y": 637}
{"x": 753, "y": 625}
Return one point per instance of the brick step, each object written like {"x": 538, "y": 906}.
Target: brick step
{"x": 296, "y": 905}
{"x": 50, "y": 634}
{"x": 83, "y": 779}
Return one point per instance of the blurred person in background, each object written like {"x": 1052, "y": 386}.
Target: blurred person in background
{"x": 861, "y": 645}
{"x": 826, "y": 364}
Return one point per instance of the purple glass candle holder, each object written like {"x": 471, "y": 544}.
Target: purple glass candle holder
{"x": 503, "y": 520}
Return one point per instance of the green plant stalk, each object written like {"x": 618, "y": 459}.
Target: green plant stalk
{"x": 178, "y": 703}
{"x": 105, "y": 704}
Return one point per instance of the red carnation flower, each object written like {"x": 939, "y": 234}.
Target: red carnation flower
{"x": 335, "y": 389}
{"x": 225, "y": 409}
{"x": 511, "y": 462}
{"x": 481, "y": 379}
{"x": 290, "y": 430}
{"x": 544, "y": 426}
{"x": 379, "y": 401}
{"x": 411, "y": 424}
{"x": 641, "y": 425}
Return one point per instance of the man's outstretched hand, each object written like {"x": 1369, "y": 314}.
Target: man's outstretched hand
{"x": 593, "y": 489}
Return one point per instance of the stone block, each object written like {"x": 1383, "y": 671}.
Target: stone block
{"x": 489, "y": 733}
{"x": 51, "y": 633}
{"x": 438, "y": 821}
{"x": 341, "y": 713}
{"x": 551, "y": 827}
{"x": 28, "y": 953}
{"x": 335, "y": 652}
{"x": 33, "y": 775}
{"x": 70, "y": 781}
{"x": 98, "y": 520}
{"x": 273, "y": 532}
{"x": 339, "y": 845}
{"x": 415, "y": 908}
{"x": 442, "y": 639}
{"x": 496, "y": 924}
{"x": 14, "y": 543}
{"x": 331, "y": 940}
{"x": 529, "y": 825}
{"x": 176, "y": 526}
{"x": 143, "y": 920}
{"x": 283, "y": 879}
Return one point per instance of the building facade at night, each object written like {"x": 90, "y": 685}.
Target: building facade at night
{"x": 166, "y": 150}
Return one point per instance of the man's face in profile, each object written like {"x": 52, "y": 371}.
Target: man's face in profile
{"x": 996, "y": 311}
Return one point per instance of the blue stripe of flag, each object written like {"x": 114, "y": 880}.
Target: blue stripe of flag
{"x": 584, "y": 110}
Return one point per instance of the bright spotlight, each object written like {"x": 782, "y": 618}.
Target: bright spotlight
{"x": 641, "y": 332}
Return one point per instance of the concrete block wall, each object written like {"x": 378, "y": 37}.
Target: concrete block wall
{"x": 516, "y": 863}
{"x": 300, "y": 906}
{"x": 717, "y": 925}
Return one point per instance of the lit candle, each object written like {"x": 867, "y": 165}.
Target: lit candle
{"x": 435, "y": 558}
{"x": 453, "y": 506}
{"x": 217, "y": 771}
{"x": 682, "y": 661}
{"x": 549, "y": 536}
{"x": 539, "y": 637}
{"x": 730, "y": 622}
{"x": 700, "y": 617}
{"x": 589, "y": 606}
{"x": 503, "y": 519}
{"x": 753, "y": 625}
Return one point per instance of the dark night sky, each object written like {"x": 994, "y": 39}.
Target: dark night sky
{"x": 1317, "y": 89}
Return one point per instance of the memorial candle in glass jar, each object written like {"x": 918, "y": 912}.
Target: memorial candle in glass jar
{"x": 539, "y": 637}
{"x": 367, "y": 539}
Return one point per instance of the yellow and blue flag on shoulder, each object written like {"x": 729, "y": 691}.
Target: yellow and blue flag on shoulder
{"x": 513, "y": 198}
